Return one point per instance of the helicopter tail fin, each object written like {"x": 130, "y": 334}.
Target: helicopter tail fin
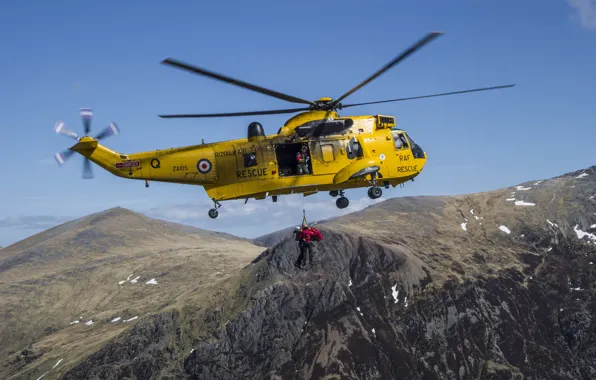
{"x": 87, "y": 146}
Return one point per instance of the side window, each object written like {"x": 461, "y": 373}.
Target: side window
{"x": 353, "y": 149}
{"x": 250, "y": 159}
{"x": 399, "y": 141}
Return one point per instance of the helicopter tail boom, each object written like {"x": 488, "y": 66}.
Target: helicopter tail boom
{"x": 175, "y": 167}
{"x": 112, "y": 161}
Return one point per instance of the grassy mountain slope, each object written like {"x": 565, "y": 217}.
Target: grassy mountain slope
{"x": 113, "y": 264}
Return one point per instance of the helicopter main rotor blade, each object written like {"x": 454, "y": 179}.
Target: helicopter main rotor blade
{"x": 271, "y": 112}
{"x": 423, "y": 41}
{"x": 430, "y": 96}
{"x": 236, "y": 82}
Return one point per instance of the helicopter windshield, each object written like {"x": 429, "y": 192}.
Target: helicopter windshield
{"x": 417, "y": 151}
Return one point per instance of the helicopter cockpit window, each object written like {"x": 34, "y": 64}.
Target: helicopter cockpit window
{"x": 250, "y": 159}
{"x": 417, "y": 151}
{"x": 353, "y": 149}
{"x": 399, "y": 141}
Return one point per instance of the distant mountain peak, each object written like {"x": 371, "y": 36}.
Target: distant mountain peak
{"x": 114, "y": 211}
{"x": 112, "y": 214}
{"x": 116, "y": 226}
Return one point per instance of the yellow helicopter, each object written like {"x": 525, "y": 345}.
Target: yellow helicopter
{"x": 316, "y": 150}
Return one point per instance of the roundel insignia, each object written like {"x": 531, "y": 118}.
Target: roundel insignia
{"x": 204, "y": 165}
{"x": 382, "y": 156}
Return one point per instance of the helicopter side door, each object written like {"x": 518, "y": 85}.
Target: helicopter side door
{"x": 225, "y": 161}
{"x": 253, "y": 161}
{"x": 286, "y": 156}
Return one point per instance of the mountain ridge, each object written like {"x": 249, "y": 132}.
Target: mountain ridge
{"x": 273, "y": 237}
{"x": 491, "y": 284}
{"x": 98, "y": 217}
{"x": 436, "y": 275}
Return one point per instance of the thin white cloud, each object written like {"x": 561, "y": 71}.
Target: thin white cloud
{"x": 37, "y": 222}
{"x": 256, "y": 217}
{"x": 249, "y": 220}
{"x": 586, "y": 12}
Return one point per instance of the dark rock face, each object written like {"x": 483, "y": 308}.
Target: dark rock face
{"x": 372, "y": 310}
{"x": 315, "y": 325}
{"x": 140, "y": 353}
{"x": 494, "y": 328}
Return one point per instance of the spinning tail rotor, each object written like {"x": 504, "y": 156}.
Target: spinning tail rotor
{"x": 86, "y": 116}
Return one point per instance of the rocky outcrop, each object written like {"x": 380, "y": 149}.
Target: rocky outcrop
{"x": 361, "y": 313}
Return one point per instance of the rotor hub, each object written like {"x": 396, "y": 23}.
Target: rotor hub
{"x": 325, "y": 104}
{"x": 86, "y": 117}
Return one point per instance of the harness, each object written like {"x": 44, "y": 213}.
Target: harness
{"x": 301, "y": 158}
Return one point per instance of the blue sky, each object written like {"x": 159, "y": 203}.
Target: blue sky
{"x": 106, "y": 55}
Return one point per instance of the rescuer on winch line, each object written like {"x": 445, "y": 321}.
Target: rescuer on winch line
{"x": 305, "y": 236}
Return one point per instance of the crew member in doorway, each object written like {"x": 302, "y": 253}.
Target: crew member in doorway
{"x": 302, "y": 160}
{"x": 307, "y": 236}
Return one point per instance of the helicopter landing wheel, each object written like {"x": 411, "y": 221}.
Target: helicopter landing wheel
{"x": 334, "y": 193}
{"x": 213, "y": 213}
{"x": 342, "y": 202}
{"x": 375, "y": 192}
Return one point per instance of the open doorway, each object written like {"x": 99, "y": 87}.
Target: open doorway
{"x": 287, "y": 159}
